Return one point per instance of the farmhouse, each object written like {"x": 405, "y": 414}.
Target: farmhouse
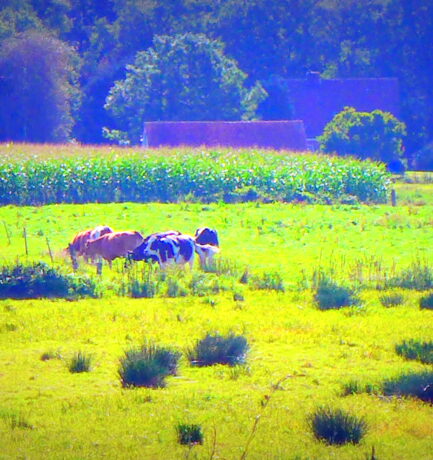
{"x": 283, "y": 134}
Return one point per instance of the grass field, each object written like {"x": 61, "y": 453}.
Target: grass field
{"x": 48, "y": 412}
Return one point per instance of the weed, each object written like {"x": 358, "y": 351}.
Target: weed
{"x": 335, "y": 426}
{"x": 80, "y": 362}
{"x": 356, "y": 387}
{"x": 189, "y": 434}
{"x": 270, "y": 281}
{"x": 148, "y": 366}
{"x": 15, "y": 419}
{"x": 419, "y": 276}
{"x": 330, "y": 295}
{"x": 47, "y": 355}
{"x": 175, "y": 288}
{"x": 218, "y": 349}
{"x": 426, "y": 302}
{"x": 413, "y": 349}
{"x": 391, "y": 300}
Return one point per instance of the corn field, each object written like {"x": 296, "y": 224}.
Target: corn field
{"x": 198, "y": 176}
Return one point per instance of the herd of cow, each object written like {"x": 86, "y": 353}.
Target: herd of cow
{"x": 165, "y": 248}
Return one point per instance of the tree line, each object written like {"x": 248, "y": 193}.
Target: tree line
{"x": 66, "y": 66}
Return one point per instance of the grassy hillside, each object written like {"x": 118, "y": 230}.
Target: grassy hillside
{"x": 47, "y": 411}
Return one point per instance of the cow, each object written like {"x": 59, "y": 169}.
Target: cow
{"x": 113, "y": 245}
{"x": 77, "y": 247}
{"x": 206, "y": 235}
{"x": 169, "y": 248}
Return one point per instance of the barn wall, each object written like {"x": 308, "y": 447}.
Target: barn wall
{"x": 284, "y": 134}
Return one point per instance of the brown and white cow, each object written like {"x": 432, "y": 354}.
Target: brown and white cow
{"x": 78, "y": 245}
{"x": 113, "y": 245}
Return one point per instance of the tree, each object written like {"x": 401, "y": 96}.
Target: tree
{"x": 182, "y": 77}
{"x": 37, "y": 92}
{"x": 377, "y": 135}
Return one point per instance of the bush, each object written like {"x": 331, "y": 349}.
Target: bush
{"x": 80, "y": 362}
{"x": 38, "y": 280}
{"x": 376, "y": 135}
{"x": 426, "y": 302}
{"x": 218, "y": 349}
{"x": 189, "y": 434}
{"x": 413, "y": 349}
{"x": 419, "y": 385}
{"x": 337, "y": 427}
{"x": 391, "y": 300}
{"x": 148, "y": 366}
{"x": 330, "y": 295}
{"x": 356, "y": 387}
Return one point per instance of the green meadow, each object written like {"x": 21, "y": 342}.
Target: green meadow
{"x": 300, "y": 357}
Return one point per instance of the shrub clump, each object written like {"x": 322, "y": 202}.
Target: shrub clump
{"x": 189, "y": 434}
{"x": 80, "y": 362}
{"x": 413, "y": 349}
{"x": 391, "y": 300}
{"x": 337, "y": 426}
{"x": 148, "y": 366}
{"x": 426, "y": 302}
{"x": 38, "y": 280}
{"x": 329, "y": 295}
{"x": 217, "y": 349}
{"x": 418, "y": 385}
{"x": 419, "y": 276}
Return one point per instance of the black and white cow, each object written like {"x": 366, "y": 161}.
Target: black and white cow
{"x": 206, "y": 235}
{"x": 168, "y": 248}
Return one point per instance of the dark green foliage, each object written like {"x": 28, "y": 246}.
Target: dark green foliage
{"x": 330, "y": 295}
{"x": 268, "y": 281}
{"x": 181, "y": 77}
{"x": 39, "y": 280}
{"x": 189, "y": 434}
{"x": 38, "y": 88}
{"x": 80, "y": 362}
{"x": 391, "y": 300}
{"x": 414, "y": 349}
{"x": 426, "y": 302}
{"x": 377, "y": 135}
{"x": 148, "y": 366}
{"x": 335, "y": 426}
{"x": 217, "y": 349}
{"x": 418, "y": 385}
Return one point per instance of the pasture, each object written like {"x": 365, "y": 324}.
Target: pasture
{"x": 48, "y": 411}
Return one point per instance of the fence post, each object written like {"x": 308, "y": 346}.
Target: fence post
{"x": 49, "y": 250}
{"x": 7, "y": 233}
{"x": 393, "y": 197}
{"x": 25, "y": 241}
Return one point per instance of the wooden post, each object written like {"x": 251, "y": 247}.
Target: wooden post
{"x": 25, "y": 241}
{"x": 393, "y": 197}
{"x": 7, "y": 233}
{"x": 49, "y": 250}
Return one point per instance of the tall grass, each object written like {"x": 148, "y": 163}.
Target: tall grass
{"x": 202, "y": 176}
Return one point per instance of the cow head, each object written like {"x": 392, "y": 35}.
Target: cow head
{"x": 206, "y": 235}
